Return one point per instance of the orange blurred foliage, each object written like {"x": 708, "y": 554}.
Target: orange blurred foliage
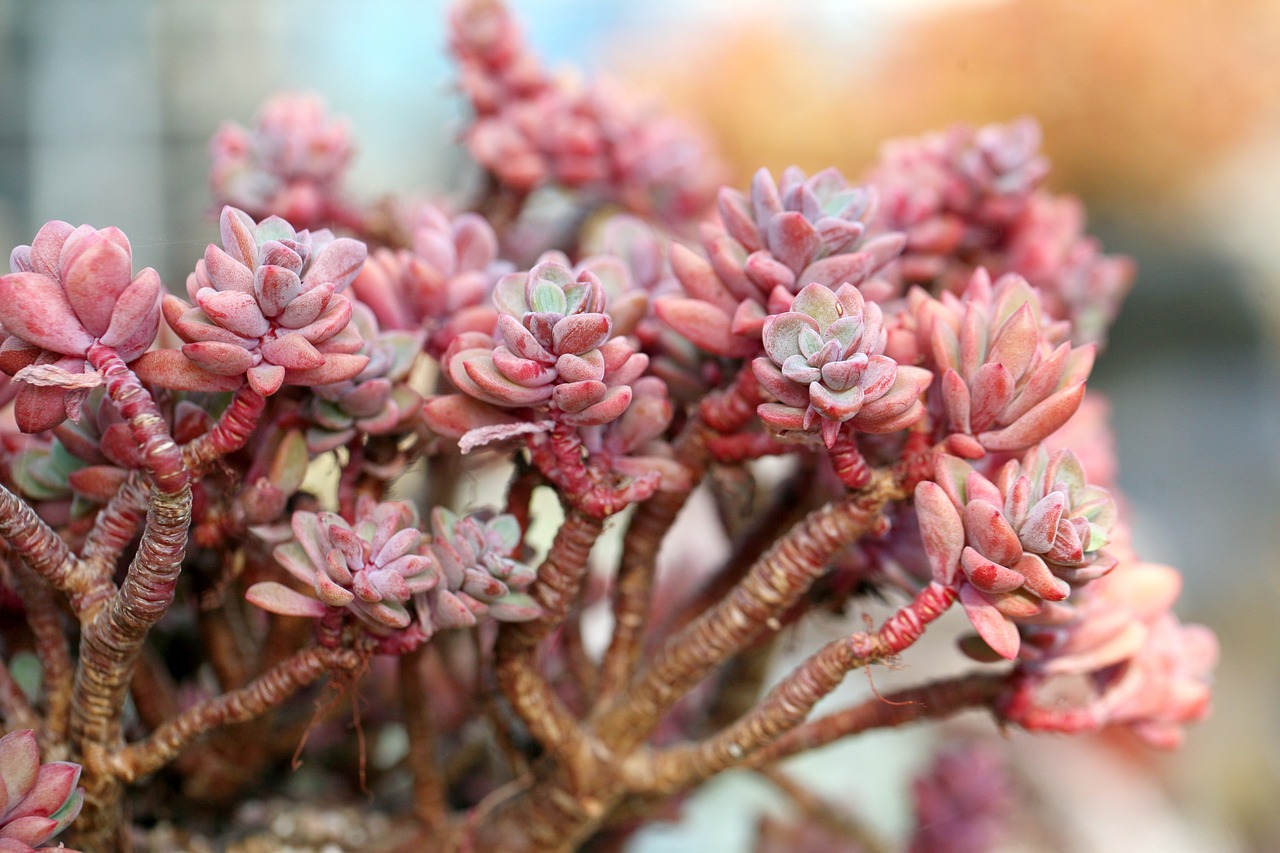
{"x": 1137, "y": 98}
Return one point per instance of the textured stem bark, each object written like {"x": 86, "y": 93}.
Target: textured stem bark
{"x": 430, "y": 798}
{"x": 52, "y": 648}
{"x": 754, "y": 605}
{"x": 263, "y": 693}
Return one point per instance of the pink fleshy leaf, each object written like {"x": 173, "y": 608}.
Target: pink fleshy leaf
{"x": 771, "y": 379}
{"x": 38, "y": 408}
{"x": 997, "y": 631}
{"x": 781, "y": 418}
{"x": 986, "y": 575}
{"x": 54, "y": 784}
{"x": 1041, "y": 526}
{"x": 275, "y": 287}
{"x": 35, "y": 309}
{"x": 169, "y": 368}
{"x": 335, "y": 318}
{"x": 705, "y": 325}
{"x": 32, "y": 829}
{"x": 1040, "y": 422}
{"x": 577, "y": 368}
{"x": 1040, "y": 580}
{"x": 277, "y": 598}
{"x": 736, "y": 214}
{"x": 235, "y": 311}
{"x": 792, "y": 240}
{"x": 292, "y": 351}
{"x": 987, "y": 529}
{"x": 573, "y": 397}
{"x": 699, "y": 279}
{"x": 236, "y": 228}
{"x": 956, "y": 401}
{"x": 225, "y": 272}
{"x": 1015, "y": 343}
{"x": 337, "y": 367}
{"x": 265, "y": 379}
{"x": 767, "y": 272}
{"x": 852, "y": 268}
{"x": 19, "y": 765}
{"x": 493, "y": 387}
{"x": 94, "y": 273}
{"x": 337, "y": 265}
{"x": 306, "y": 307}
{"x": 580, "y": 333}
{"x": 216, "y": 357}
{"x": 135, "y": 320}
{"x": 941, "y": 531}
{"x": 609, "y": 409}
{"x": 46, "y": 248}
{"x": 991, "y": 388}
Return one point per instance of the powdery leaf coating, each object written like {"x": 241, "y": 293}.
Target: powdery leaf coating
{"x": 555, "y": 355}
{"x": 765, "y": 249}
{"x": 825, "y": 366}
{"x": 1031, "y": 536}
{"x": 267, "y": 308}
{"x": 70, "y": 288}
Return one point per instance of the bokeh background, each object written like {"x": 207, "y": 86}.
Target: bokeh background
{"x": 1163, "y": 116}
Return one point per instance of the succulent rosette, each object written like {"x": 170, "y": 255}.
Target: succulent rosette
{"x": 1148, "y": 670}
{"x": 824, "y": 363}
{"x": 955, "y": 195}
{"x": 290, "y": 164}
{"x": 442, "y": 285}
{"x": 1016, "y": 545}
{"x": 377, "y": 400}
{"x": 267, "y": 310}
{"x": 478, "y": 577}
{"x": 37, "y": 801}
{"x": 556, "y": 355}
{"x": 371, "y": 567}
{"x": 765, "y": 248}
{"x": 1004, "y": 385}
{"x": 71, "y": 288}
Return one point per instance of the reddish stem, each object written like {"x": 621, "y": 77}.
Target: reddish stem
{"x": 729, "y": 410}
{"x": 850, "y": 465}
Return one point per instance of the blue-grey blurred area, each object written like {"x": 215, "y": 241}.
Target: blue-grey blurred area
{"x": 106, "y": 109}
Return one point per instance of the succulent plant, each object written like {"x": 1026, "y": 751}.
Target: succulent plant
{"x": 71, "y": 288}
{"x": 955, "y": 194}
{"x": 556, "y": 353}
{"x": 765, "y": 249}
{"x": 1017, "y": 543}
{"x": 371, "y": 566}
{"x": 478, "y": 577}
{"x": 291, "y": 164}
{"x": 442, "y": 285}
{"x": 37, "y": 801}
{"x": 824, "y": 362}
{"x": 267, "y": 309}
{"x": 1147, "y": 670}
{"x": 376, "y": 401}
{"x": 1004, "y": 384}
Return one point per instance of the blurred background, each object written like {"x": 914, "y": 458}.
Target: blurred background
{"x": 1164, "y": 117}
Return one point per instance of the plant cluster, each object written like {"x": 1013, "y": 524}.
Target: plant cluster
{"x": 212, "y": 505}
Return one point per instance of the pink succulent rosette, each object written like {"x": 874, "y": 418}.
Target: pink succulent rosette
{"x": 1016, "y": 545}
{"x": 1147, "y": 670}
{"x": 971, "y": 197}
{"x": 964, "y": 802}
{"x": 290, "y": 164}
{"x": 70, "y": 289}
{"x": 441, "y": 285}
{"x": 555, "y": 354}
{"x": 37, "y": 801}
{"x": 478, "y": 577}
{"x": 954, "y": 194}
{"x": 372, "y": 567}
{"x": 824, "y": 363}
{"x": 1007, "y": 378}
{"x": 765, "y": 248}
{"x": 267, "y": 310}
